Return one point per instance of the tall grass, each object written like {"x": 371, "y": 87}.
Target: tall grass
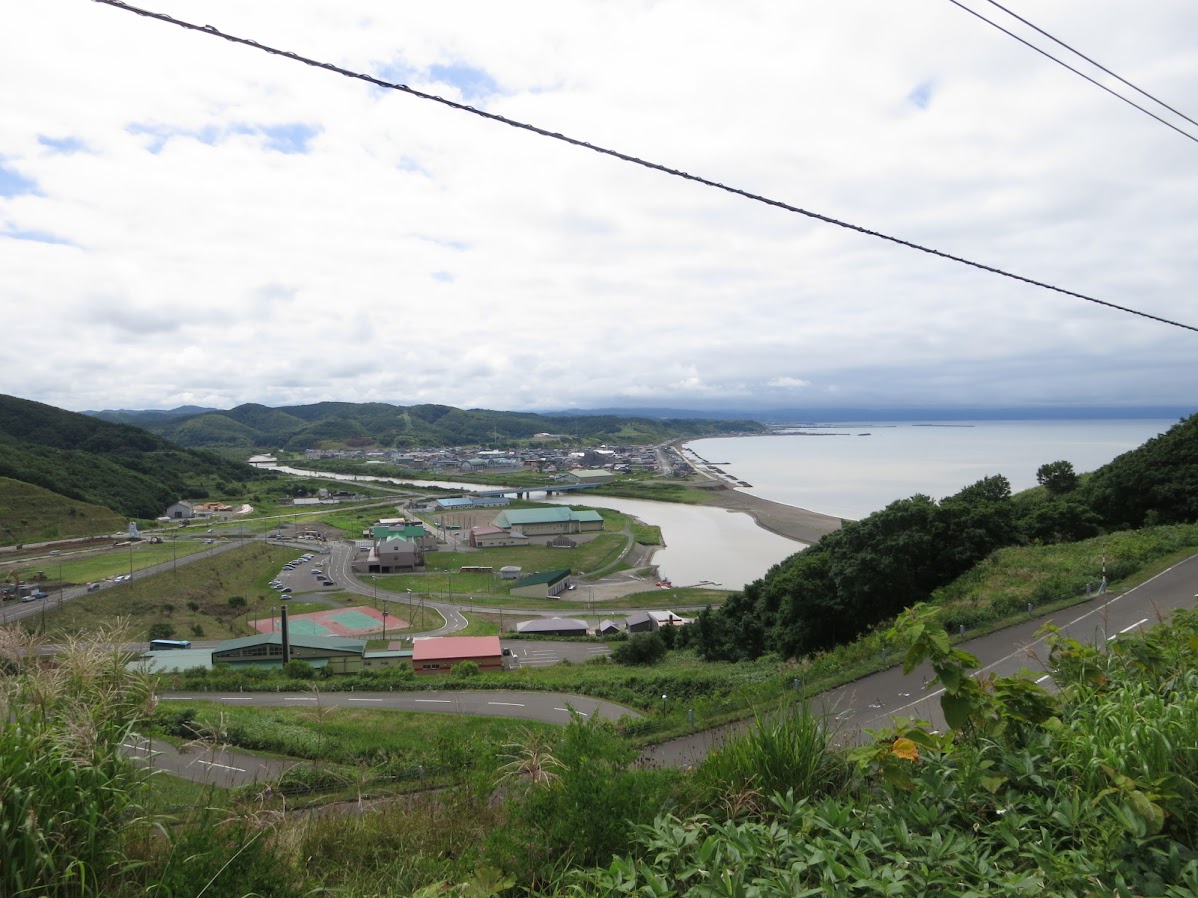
{"x": 67, "y": 793}
{"x": 786, "y": 751}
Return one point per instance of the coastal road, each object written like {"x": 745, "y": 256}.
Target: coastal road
{"x": 873, "y": 702}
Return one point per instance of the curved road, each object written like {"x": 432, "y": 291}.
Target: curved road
{"x": 874, "y": 701}
{"x": 226, "y": 767}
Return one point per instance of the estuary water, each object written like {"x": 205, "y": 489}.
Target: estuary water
{"x": 837, "y": 471}
{"x": 852, "y": 470}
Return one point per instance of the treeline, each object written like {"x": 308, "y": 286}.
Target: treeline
{"x": 134, "y": 472}
{"x": 870, "y": 570}
{"x": 293, "y": 428}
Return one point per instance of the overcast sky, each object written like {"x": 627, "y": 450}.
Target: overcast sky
{"x": 187, "y": 221}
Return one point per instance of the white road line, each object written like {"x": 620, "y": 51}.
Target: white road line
{"x": 299, "y": 698}
{"x": 507, "y": 704}
{"x": 222, "y": 766}
{"x": 1133, "y": 626}
{"x": 1043, "y": 678}
{"x": 365, "y": 699}
{"x": 435, "y": 701}
{"x": 237, "y": 698}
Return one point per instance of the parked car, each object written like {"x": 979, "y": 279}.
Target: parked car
{"x": 92, "y": 587}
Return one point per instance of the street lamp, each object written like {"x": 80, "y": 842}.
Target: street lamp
{"x": 384, "y": 618}
{"x": 375, "y": 581}
{"x": 409, "y": 607}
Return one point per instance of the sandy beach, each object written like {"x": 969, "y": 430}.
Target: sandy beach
{"x": 786, "y": 520}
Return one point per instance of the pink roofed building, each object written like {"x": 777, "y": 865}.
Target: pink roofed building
{"x": 439, "y": 654}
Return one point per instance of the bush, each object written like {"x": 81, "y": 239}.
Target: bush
{"x": 298, "y": 669}
{"x": 643, "y": 648}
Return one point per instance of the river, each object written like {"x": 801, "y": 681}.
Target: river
{"x": 836, "y": 470}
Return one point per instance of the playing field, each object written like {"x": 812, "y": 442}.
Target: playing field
{"x": 342, "y": 622}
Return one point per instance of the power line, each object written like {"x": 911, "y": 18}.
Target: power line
{"x": 778, "y": 204}
{"x": 1078, "y": 72}
{"x": 1097, "y": 65}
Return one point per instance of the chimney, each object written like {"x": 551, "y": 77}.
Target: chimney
{"x": 286, "y": 636}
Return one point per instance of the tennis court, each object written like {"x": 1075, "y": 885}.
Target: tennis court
{"x": 338, "y": 622}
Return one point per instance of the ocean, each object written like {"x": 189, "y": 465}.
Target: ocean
{"x": 851, "y": 470}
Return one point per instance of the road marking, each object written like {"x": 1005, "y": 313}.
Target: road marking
{"x": 435, "y": 701}
{"x": 299, "y": 698}
{"x": 222, "y": 766}
{"x": 1133, "y": 626}
{"x": 237, "y": 698}
{"x": 507, "y": 704}
{"x": 365, "y": 699}
{"x": 1043, "y": 678}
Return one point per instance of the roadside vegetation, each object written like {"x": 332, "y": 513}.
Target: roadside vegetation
{"x": 1104, "y": 773}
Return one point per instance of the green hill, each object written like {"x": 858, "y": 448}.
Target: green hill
{"x": 30, "y": 514}
{"x": 135, "y": 473}
{"x": 254, "y": 426}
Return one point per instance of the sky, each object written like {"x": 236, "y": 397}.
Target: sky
{"x": 186, "y": 221}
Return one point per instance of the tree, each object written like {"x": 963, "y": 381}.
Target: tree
{"x": 162, "y": 631}
{"x": 1058, "y": 477}
{"x": 642, "y": 648}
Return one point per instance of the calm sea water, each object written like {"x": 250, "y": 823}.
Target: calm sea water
{"x": 841, "y": 471}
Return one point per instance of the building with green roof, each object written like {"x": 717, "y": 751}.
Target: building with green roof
{"x": 549, "y": 521}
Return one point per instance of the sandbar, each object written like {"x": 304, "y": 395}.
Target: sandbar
{"x": 795, "y": 523}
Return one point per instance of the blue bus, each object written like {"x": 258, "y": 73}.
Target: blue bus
{"x": 156, "y": 644}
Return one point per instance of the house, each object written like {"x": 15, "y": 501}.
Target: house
{"x": 553, "y": 626}
{"x": 640, "y": 622}
{"x": 549, "y": 521}
{"x": 588, "y": 476}
{"x": 667, "y": 619}
{"x": 389, "y": 556}
{"x": 646, "y": 621}
{"x": 441, "y": 654}
{"x": 542, "y": 585}
{"x": 608, "y": 628}
{"x": 181, "y": 511}
{"x": 510, "y": 572}
{"x": 487, "y": 536}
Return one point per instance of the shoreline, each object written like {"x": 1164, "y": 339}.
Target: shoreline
{"x": 799, "y": 524}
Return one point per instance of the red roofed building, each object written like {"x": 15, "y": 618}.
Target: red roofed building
{"x": 440, "y": 653}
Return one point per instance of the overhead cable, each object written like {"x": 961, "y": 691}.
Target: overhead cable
{"x": 403, "y": 88}
{"x": 1097, "y": 65}
{"x": 1078, "y": 72}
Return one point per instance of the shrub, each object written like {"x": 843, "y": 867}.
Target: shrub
{"x": 298, "y": 669}
{"x": 643, "y": 648}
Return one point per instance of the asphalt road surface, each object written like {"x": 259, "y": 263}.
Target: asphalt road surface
{"x": 874, "y": 701}
{"x": 226, "y": 767}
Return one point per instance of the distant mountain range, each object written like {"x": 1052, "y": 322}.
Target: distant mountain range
{"x": 298, "y": 427}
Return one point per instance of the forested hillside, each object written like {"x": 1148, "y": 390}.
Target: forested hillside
{"x": 870, "y": 570}
{"x": 133, "y": 472}
{"x": 299, "y": 427}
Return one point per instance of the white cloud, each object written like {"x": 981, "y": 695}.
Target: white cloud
{"x": 187, "y": 220}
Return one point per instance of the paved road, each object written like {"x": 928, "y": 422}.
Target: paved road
{"x": 867, "y": 703}
{"x": 228, "y": 767}
{"x": 873, "y": 701}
